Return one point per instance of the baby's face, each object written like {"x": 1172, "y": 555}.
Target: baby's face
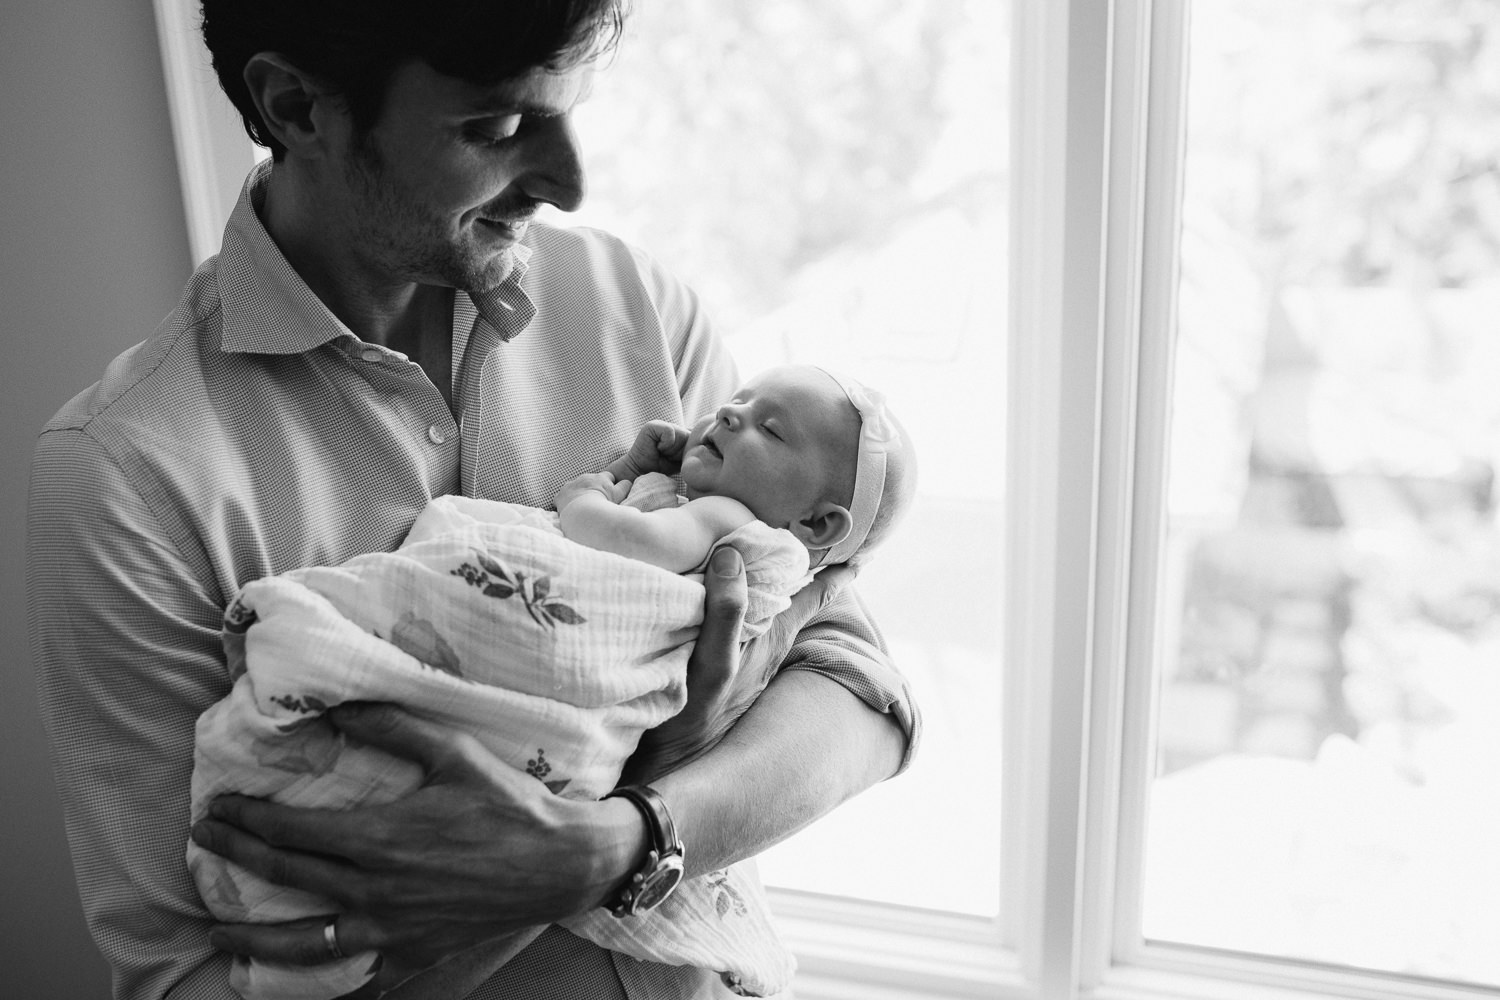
{"x": 787, "y": 437}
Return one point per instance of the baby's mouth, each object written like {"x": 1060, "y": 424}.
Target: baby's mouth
{"x": 713, "y": 448}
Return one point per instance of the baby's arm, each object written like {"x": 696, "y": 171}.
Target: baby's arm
{"x": 674, "y": 538}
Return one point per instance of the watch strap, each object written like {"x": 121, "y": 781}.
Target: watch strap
{"x": 664, "y": 859}
{"x": 658, "y": 817}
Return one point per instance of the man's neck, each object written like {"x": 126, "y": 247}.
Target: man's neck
{"x": 406, "y": 316}
{"x": 376, "y": 307}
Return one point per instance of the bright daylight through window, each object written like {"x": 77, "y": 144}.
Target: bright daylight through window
{"x": 1328, "y": 745}
{"x": 831, "y": 178}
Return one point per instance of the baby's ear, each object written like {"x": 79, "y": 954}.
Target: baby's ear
{"x": 825, "y": 527}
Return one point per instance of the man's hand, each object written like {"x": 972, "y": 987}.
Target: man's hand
{"x": 658, "y": 447}
{"x": 723, "y": 677}
{"x": 478, "y": 851}
{"x": 602, "y": 483}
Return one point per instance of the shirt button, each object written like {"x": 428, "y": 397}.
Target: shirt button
{"x": 370, "y": 354}
{"x": 435, "y": 434}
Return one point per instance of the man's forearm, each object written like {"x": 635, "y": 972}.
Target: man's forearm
{"x": 804, "y": 747}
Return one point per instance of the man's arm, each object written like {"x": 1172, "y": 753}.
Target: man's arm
{"x": 804, "y": 746}
{"x": 126, "y": 648}
{"x": 480, "y": 849}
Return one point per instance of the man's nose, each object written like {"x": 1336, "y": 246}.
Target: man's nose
{"x": 554, "y": 171}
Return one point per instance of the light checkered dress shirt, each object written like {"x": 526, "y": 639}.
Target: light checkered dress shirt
{"x": 253, "y": 434}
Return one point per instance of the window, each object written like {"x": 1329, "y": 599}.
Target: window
{"x": 1327, "y": 760}
{"x": 1222, "y": 215}
{"x": 831, "y": 178}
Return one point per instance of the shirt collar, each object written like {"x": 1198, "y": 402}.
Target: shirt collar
{"x": 268, "y": 308}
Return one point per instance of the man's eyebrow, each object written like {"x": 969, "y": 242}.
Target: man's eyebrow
{"x": 510, "y": 106}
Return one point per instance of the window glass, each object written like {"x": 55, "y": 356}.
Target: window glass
{"x": 1327, "y": 753}
{"x": 831, "y": 178}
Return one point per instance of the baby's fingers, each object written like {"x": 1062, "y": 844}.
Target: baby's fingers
{"x": 670, "y": 439}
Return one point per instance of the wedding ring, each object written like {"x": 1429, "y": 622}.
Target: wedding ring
{"x": 331, "y": 937}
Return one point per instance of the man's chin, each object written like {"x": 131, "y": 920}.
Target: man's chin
{"x": 488, "y": 274}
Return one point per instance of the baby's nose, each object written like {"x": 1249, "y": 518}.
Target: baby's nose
{"x": 728, "y": 417}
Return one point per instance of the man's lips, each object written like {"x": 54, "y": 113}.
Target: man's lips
{"x": 511, "y": 227}
{"x": 508, "y": 226}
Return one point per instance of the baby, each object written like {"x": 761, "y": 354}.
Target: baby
{"x": 796, "y": 447}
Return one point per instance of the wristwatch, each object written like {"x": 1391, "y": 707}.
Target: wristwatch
{"x": 650, "y": 886}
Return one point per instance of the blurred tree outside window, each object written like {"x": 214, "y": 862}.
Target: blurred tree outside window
{"x": 1328, "y": 745}
{"x": 831, "y": 178}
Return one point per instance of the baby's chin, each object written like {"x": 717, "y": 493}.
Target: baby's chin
{"x": 691, "y": 475}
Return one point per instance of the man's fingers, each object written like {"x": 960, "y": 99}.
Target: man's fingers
{"x": 282, "y": 845}
{"x": 837, "y": 576}
{"x": 807, "y": 602}
{"x": 299, "y": 942}
{"x": 437, "y": 750}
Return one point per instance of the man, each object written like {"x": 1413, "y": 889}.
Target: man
{"x": 385, "y": 323}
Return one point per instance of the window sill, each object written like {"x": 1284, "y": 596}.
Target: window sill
{"x": 1189, "y": 974}
{"x": 847, "y": 949}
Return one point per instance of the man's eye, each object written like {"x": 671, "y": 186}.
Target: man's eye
{"x": 494, "y": 131}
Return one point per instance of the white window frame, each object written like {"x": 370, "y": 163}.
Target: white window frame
{"x": 1097, "y": 98}
{"x": 213, "y": 151}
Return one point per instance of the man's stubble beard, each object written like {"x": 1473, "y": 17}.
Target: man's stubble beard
{"x": 424, "y": 251}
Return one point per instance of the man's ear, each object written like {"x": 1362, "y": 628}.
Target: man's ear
{"x": 825, "y": 527}
{"x": 287, "y": 99}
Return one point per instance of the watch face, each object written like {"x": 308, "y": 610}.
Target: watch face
{"x": 658, "y": 883}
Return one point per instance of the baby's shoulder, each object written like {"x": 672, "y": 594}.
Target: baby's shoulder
{"x": 720, "y": 514}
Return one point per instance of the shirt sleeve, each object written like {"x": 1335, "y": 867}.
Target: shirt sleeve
{"x": 843, "y": 643}
{"x": 706, "y": 374}
{"x": 126, "y": 646}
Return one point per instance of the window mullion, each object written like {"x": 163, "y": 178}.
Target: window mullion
{"x": 1161, "y": 79}
{"x": 1061, "y": 89}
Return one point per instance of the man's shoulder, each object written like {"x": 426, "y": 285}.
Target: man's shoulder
{"x": 135, "y": 369}
{"x": 577, "y": 261}
{"x": 575, "y": 250}
{"x": 550, "y": 238}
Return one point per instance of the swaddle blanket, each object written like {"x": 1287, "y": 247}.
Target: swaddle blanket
{"x": 555, "y": 656}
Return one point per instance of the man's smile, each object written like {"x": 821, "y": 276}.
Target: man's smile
{"x": 512, "y": 229}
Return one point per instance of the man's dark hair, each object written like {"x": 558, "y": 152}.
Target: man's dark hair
{"x": 354, "y": 46}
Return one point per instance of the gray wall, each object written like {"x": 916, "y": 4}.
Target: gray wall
{"x": 94, "y": 253}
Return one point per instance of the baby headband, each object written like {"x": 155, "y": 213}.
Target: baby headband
{"x": 877, "y": 435}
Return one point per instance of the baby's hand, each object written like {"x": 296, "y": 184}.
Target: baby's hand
{"x": 658, "y": 447}
{"x": 594, "y": 482}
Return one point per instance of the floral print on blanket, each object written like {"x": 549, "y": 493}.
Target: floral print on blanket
{"x": 316, "y": 746}
{"x": 539, "y": 767}
{"x": 727, "y": 898}
{"x": 419, "y": 639}
{"x": 494, "y": 580}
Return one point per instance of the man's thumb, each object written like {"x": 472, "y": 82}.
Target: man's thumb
{"x": 723, "y": 608}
